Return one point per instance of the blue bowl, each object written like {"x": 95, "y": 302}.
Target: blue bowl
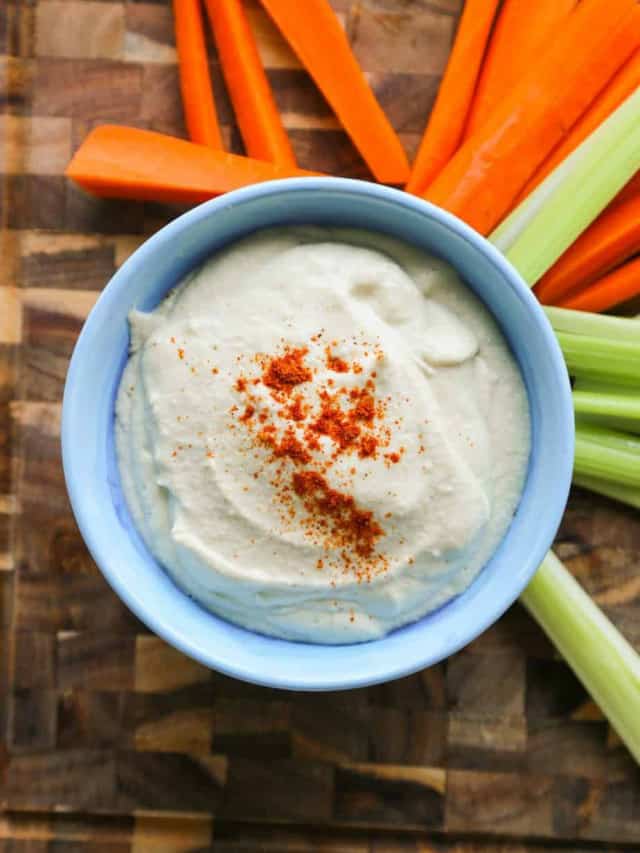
{"x": 91, "y": 469}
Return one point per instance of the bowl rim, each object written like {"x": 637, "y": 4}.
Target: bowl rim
{"x": 311, "y": 681}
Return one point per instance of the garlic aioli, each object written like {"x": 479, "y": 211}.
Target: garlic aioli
{"x": 322, "y": 434}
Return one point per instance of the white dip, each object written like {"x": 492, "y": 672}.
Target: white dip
{"x": 322, "y": 435}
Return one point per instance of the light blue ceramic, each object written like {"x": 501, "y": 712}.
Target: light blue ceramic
{"x": 94, "y": 483}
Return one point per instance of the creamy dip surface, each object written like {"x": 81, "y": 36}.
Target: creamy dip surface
{"x": 322, "y": 435}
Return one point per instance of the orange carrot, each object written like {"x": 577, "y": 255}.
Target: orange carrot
{"x": 612, "y": 239}
{"x": 482, "y": 181}
{"x": 625, "y": 82}
{"x": 195, "y": 83}
{"x": 124, "y": 162}
{"x": 629, "y": 190}
{"x": 264, "y": 136}
{"x": 610, "y": 290}
{"x": 446, "y": 122}
{"x": 521, "y": 31}
{"x": 315, "y": 34}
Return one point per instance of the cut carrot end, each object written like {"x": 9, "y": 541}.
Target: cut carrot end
{"x": 321, "y": 45}
{"x": 125, "y": 162}
{"x": 195, "y": 83}
{"x": 256, "y": 112}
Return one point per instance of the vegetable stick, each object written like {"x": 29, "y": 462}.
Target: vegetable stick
{"x": 595, "y": 650}
{"x": 543, "y": 227}
{"x": 621, "y": 86}
{"x": 607, "y": 454}
{"x": 256, "y": 112}
{"x": 591, "y": 357}
{"x": 593, "y": 325}
{"x": 484, "y": 177}
{"x": 616, "y": 491}
{"x": 608, "y": 405}
{"x": 124, "y": 162}
{"x": 315, "y": 34}
{"x": 195, "y": 83}
{"x": 608, "y": 242}
{"x": 521, "y": 31}
{"x": 630, "y": 190}
{"x": 447, "y": 120}
{"x": 610, "y": 290}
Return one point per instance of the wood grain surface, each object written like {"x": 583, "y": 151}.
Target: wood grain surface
{"x": 113, "y": 741}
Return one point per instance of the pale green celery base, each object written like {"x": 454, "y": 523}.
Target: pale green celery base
{"x": 587, "y": 355}
{"x": 593, "y": 325}
{"x": 594, "y": 387}
{"x": 608, "y": 422}
{"x": 620, "y": 406}
{"x": 606, "y": 458}
{"x": 609, "y": 438}
{"x": 594, "y": 649}
{"x": 616, "y": 491}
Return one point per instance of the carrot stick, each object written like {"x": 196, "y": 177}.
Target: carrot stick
{"x": 447, "y": 120}
{"x": 124, "y": 162}
{"x": 521, "y": 31}
{"x": 610, "y": 290}
{"x": 482, "y": 181}
{"x": 618, "y": 90}
{"x": 195, "y": 82}
{"x": 612, "y": 239}
{"x": 258, "y": 118}
{"x": 630, "y": 190}
{"x": 315, "y": 34}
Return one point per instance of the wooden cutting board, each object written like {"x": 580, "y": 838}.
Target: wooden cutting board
{"x": 113, "y": 740}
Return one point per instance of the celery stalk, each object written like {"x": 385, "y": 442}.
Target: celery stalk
{"x": 602, "y": 379}
{"x": 593, "y": 386}
{"x": 596, "y": 651}
{"x": 601, "y": 349}
{"x": 548, "y": 221}
{"x": 606, "y": 462}
{"x": 593, "y": 325}
{"x": 597, "y": 357}
{"x": 626, "y": 494}
{"x": 605, "y": 405}
{"x": 613, "y": 439}
{"x": 614, "y": 406}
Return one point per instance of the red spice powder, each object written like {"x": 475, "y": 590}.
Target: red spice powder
{"x": 368, "y": 446}
{"x": 287, "y": 371}
{"x": 338, "y": 365}
{"x": 289, "y": 445}
{"x": 297, "y": 411}
{"x": 365, "y": 409}
{"x": 354, "y": 526}
{"x": 335, "y": 423}
{"x": 352, "y": 419}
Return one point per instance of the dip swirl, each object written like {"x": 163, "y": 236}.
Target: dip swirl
{"x": 322, "y": 435}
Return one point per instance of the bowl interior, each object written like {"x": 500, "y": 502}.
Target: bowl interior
{"x": 92, "y": 473}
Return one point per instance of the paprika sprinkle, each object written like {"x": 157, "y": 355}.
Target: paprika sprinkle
{"x": 314, "y": 428}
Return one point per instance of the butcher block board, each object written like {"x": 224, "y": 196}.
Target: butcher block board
{"x": 113, "y": 741}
